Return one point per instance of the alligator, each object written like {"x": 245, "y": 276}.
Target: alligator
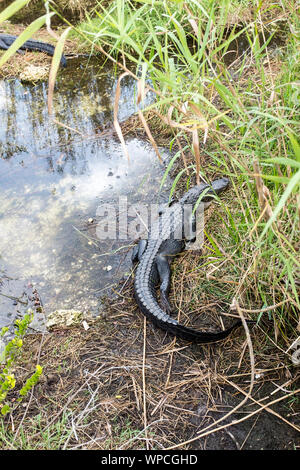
{"x": 6, "y": 41}
{"x": 154, "y": 257}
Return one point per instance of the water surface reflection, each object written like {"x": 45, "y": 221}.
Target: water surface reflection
{"x": 52, "y": 180}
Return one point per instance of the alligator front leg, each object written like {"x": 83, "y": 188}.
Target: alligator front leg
{"x": 190, "y": 229}
{"x": 165, "y": 205}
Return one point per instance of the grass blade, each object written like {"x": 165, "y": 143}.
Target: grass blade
{"x": 294, "y": 182}
{"x": 55, "y": 65}
{"x": 12, "y": 9}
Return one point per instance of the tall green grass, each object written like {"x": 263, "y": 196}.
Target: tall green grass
{"x": 247, "y": 118}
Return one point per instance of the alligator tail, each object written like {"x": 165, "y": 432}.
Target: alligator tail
{"x": 34, "y": 45}
{"x": 7, "y": 40}
{"x": 148, "y": 305}
{"x": 202, "y": 337}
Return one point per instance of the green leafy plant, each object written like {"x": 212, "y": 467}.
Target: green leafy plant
{"x": 8, "y": 361}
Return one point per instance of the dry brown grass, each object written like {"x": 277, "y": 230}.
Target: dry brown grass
{"x": 176, "y": 395}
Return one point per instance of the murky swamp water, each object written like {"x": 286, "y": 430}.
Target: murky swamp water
{"x": 53, "y": 179}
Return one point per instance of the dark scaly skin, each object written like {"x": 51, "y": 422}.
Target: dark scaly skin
{"x": 6, "y": 41}
{"x": 154, "y": 258}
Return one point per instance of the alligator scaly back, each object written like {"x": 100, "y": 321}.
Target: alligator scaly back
{"x": 154, "y": 266}
{"x": 146, "y": 298}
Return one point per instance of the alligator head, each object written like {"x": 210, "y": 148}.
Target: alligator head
{"x": 208, "y": 191}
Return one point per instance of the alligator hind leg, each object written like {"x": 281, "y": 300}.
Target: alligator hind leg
{"x": 164, "y": 271}
{"x": 169, "y": 249}
{"x": 138, "y": 251}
